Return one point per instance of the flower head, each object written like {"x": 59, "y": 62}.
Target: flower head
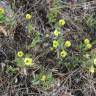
{"x": 55, "y": 43}
{"x": 89, "y": 46}
{"x": 28, "y": 61}
{"x": 56, "y": 32}
{"x": 20, "y": 54}
{"x": 67, "y": 44}
{"x": 2, "y": 11}
{"x": 95, "y": 61}
{"x": 28, "y": 16}
{"x": 63, "y": 53}
{"x": 86, "y": 41}
{"x": 43, "y": 78}
{"x": 61, "y": 22}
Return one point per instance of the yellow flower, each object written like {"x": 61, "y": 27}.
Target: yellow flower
{"x": 28, "y": 16}
{"x": 86, "y": 41}
{"x": 55, "y": 43}
{"x": 20, "y": 54}
{"x": 92, "y": 69}
{"x": 43, "y": 78}
{"x": 63, "y": 53}
{"x": 89, "y": 46}
{"x": 56, "y": 32}
{"x": 28, "y": 61}
{"x": 95, "y": 61}
{"x": 67, "y": 44}
{"x": 2, "y": 11}
{"x": 61, "y": 22}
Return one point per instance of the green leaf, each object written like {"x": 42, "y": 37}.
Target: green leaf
{"x": 19, "y": 61}
{"x": 35, "y": 40}
{"x": 2, "y": 18}
{"x": 35, "y": 82}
